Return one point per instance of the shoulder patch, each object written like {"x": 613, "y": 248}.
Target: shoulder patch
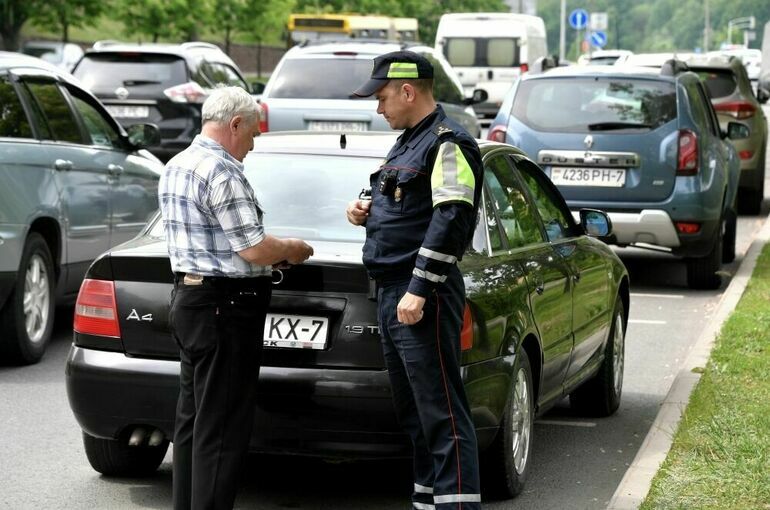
{"x": 442, "y": 130}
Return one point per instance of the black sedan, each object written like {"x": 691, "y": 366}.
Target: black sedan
{"x": 545, "y": 317}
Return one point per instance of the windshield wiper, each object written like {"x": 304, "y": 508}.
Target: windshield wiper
{"x": 610, "y": 126}
{"x": 130, "y": 83}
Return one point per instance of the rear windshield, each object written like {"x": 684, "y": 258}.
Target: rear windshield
{"x": 718, "y": 83}
{"x": 324, "y": 78}
{"x": 577, "y": 105}
{"x": 482, "y": 52}
{"x": 113, "y": 70}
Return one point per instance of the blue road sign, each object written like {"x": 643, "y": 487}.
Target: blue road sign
{"x": 578, "y": 19}
{"x": 598, "y": 39}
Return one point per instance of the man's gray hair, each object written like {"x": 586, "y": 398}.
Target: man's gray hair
{"x": 224, "y": 103}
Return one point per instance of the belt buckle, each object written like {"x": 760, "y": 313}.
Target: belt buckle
{"x": 192, "y": 279}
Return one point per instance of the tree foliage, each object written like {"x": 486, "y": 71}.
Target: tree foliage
{"x": 65, "y": 14}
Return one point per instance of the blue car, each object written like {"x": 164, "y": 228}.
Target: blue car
{"x": 642, "y": 144}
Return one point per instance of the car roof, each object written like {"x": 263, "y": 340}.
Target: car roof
{"x": 363, "y": 48}
{"x": 180, "y": 50}
{"x": 619, "y": 71}
{"x": 373, "y": 144}
{"x": 712, "y": 61}
{"x": 11, "y": 60}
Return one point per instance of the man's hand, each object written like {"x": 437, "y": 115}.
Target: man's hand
{"x": 300, "y": 252}
{"x": 409, "y": 310}
{"x": 358, "y": 211}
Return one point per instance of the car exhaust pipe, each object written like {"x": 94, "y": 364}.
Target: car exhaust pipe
{"x": 137, "y": 436}
{"x": 156, "y": 438}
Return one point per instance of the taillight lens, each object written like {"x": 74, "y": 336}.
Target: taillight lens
{"x": 263, "y": 125}
{"x": 687, "y": 227}
{"x": 688, "y": 153}
{"x": 497, "y": 134}
{"x": 524, "y": 68}
{"x": 189, "y": 92}
{"x": 737, "y": 109}
{"x": 466, "y": 333}
{"x": 96, "y": 312}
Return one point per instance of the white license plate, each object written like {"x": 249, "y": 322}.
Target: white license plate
{"x": 295, "y": 331}
{"x": 128, "y": 112}
{"x": 608, "y": 177}
{"x": 323, "y": 125}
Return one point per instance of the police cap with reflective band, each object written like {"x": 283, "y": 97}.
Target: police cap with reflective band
{"x": 393, "y": 66}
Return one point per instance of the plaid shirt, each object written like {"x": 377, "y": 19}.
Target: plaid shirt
{"x": 209, "y": 212}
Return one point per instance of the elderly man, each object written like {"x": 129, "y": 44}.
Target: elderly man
{"x": 222, "y": 261}
{"x": 419, "y": 221}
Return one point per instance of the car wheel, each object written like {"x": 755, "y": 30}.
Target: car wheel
{"x": 26, "y": 321}
{"x": 702, "y": 271}
{"x": 728, "y": 237}
{"x": 750, "y": 201}
{"x": 508, "y": 458}
{"x": 600, "y": 395}
{"x": 116, "y": 458}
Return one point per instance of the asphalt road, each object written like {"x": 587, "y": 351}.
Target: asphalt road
{"x": 577, "y": 463}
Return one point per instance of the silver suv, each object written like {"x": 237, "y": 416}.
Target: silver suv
{"x": 311, "y": 88}
{"x": 73, "y": 183}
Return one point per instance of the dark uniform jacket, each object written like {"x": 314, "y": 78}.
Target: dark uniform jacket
{"x": 425, "y": 197}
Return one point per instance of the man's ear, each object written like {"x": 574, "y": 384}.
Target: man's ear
{"x": 235, "y": 123}
{"x": 408, "y": 89}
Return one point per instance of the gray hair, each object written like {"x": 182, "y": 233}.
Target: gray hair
{"x": 224, "y": 103}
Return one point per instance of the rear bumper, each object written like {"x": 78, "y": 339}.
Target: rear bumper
{"x": 299, "y": 411}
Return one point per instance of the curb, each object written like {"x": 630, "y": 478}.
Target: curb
{"x": 635, "y": 485}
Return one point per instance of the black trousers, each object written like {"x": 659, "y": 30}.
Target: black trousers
{"x": 219, "y": 328}
{"x": 429, "y": 397}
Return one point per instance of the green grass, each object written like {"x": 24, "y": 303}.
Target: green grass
{"x": 720, "y": 457}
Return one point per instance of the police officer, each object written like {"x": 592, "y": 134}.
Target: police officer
{"x": 424, "y": 200}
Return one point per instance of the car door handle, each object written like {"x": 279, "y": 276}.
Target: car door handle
{"x": 63, "y": 165}
{"x": 115, "y": 169}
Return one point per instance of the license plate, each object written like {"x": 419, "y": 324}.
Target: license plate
{"x": 322, "y": 125}
{"x": 295, "y": 331}
{"x": 608, "y": 177}
{"x": 128, "y": 112}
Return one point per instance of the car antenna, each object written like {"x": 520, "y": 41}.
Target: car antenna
{"x": 343, "y": 141}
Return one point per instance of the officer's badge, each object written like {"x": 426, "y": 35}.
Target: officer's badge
{"x": 398, "y": 194}
{"x": 441, "y": 130}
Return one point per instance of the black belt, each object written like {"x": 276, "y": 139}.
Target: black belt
{"x": 228, "y": 283}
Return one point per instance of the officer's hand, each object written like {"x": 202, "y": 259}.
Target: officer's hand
{"x": 409, "y": 310}
{"x": 358, "y": 211}
{"x": 300, "y": 251}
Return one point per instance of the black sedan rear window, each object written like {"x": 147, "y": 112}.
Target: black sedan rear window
{"x": 113, "y": 70}
{"x": 576, "y": 105}
{"x": 718, "y": 83}
{"x": 326, "y": 78}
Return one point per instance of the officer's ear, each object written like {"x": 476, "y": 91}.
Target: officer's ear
{"x": 408, "y": 90}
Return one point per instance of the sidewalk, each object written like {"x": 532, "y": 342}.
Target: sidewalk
{"x": 636, "y": 482}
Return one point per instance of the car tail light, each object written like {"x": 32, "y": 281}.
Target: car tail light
{"x": 524, "y": 68}
{"x": 96, "y": 312}
{"x": 687, "y": 227}
{"x": 189, "y": 92}
{"x": 497, "y": 134}
{"x": 745, "y": 154}
{"x": 466, "y": 333}
{"x": 688, "y": 153}
{"x": 263, "y": 124}
{"x": 737, "y": 109}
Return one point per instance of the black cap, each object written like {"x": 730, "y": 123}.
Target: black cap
{"x": 395, "y": 65}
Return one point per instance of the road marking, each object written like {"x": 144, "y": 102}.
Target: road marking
{"x": 567, "y": 423}
{"x": 657, "y": 296}
{"x": 645, "y": 321}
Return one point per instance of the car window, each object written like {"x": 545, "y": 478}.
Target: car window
{"x": 550, "y": 205}
{"x": 482, "y": 52}
{"x": 100, "y": 130}
{"x": 479, "y": 242}
{"x": 112, "y": 70}
{"x": 493, "y": 225}
{"x": 578, "y": 105}
{"x": 216, "y": 73}
{"x": 13, "y": 121}
{"x": 718, "y": 83}
{"x": 516, "y": 214}
{"x": 308, "y": 78}
{"x": 444, "y": 89}
{"x": 58, "y": 116}
{"x": 703, "y": 105}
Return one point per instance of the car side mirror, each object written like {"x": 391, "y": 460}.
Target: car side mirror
{"x": 479, "y": 96}
{"x": 737, "y": 131}
{"x": 762, "y": 95}
{"x": 142, "y": 136}
{"x": 257, "y": 87}
{"x": 595, "y": 223}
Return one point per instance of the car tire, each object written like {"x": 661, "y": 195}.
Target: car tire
{"x": 508, "y": 458}
{"x": 729, "y": 237}
{"x": 702, "y": 271}
{"x": 26, "y": 320}
{"x": 751, "y": 199}
{"x": 116, "y": 458}
{"x": 600, "y": 395}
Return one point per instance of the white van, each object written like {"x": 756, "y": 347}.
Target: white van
{"x": 490, "y": 47}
